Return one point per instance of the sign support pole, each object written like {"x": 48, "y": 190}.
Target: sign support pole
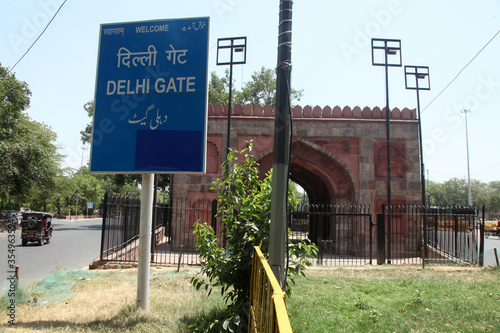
{"x": 145, "y": 242}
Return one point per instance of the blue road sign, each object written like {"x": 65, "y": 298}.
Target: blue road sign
{"x": 90, "y": 205}
{"x": 150, "y": 111}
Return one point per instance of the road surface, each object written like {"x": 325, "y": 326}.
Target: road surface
{"x": 491, "y": 243}
{"x": 467, "y": 244}
{"x": 73, "y": 245}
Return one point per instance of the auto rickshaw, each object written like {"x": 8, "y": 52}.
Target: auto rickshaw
{"x": 36, "y": 227}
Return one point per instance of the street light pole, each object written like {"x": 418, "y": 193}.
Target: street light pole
{"x": 421, "y": 73}
{"x": 233, "y": 45}
{"x": 467, "y": 146}
{"x": 392, "y": 48}
{"x": 76, "y": 207}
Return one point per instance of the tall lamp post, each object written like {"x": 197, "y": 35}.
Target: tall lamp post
{"x": 226, "y": 49}
{"x": 422, "y": 82}
{"x": 387, "y": 53}
{"x": 467, "y": 146}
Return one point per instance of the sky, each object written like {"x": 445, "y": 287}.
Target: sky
{"x": 331, "y": 59}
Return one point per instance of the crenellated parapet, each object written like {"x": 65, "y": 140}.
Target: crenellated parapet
{"x": 307, "y": 111}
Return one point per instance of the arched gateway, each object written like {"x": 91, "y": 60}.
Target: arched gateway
{"x": 338, "y": 155}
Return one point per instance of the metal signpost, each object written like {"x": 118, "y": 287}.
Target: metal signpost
{"x": 150, "y": 111}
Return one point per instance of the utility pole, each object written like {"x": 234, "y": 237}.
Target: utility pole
{"x": 467, "y": 146}
{"x": 281, "y": 151}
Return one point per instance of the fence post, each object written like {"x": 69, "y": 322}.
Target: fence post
{"x": 381, "y": 238}
{"x": 103, "y": 230}
{"x": 389, "y": 232}
{"x": 125, "y": 218}
{"x": 214, "y": 213}
{"x": 424, "y": 236}
{"x": 481, "y": 244}
{"x": 455, "y": 218}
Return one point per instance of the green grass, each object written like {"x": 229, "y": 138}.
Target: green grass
{"x": 404, "y": 299}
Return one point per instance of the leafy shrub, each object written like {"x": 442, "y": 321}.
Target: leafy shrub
{"x": 245, "y": 209}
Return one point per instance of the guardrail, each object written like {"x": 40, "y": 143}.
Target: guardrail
{"x": 267, "y": 300}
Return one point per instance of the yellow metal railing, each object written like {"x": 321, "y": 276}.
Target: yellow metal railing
{"x": 267, "y": 301}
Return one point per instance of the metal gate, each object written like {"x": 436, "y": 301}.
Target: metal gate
{"x": 343, "y": 234}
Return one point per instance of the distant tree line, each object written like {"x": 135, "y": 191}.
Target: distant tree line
{"x": 455, "y": 192}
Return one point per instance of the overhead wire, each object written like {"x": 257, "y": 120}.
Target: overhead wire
{"x": 36, "y": 40}
{"x": 463, "y": 68}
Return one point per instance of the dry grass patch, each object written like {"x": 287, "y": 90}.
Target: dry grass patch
{"x": 106, "y": 303}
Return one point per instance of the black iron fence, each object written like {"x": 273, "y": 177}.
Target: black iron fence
{"x": 420, "y": 235}
{"x": 175, "y": 243}
{"x": 172, "y": 242}
{"x": 345, "y": 235}
{"x": 120, "y": 228}
{"x": 353, "y": 235}
{"x": 454, "y": 234}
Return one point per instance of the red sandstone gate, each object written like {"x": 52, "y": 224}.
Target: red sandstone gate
{"x": 338, "y": 155}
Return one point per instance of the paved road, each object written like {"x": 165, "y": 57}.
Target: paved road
{"x": 73, "y": 245}
{"x": 468, "y": 244}
{"x": 489, "y": 255}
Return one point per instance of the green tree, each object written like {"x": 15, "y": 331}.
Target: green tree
{"x": 87, "y": 189}
{"x": 260, "y": 90}
{"x": 493, "y": 190}
{"x": 480, "y": 193}
{"x": 244, "y": 207}
{"x": 63, "y": 191}
{"x": 456, "y": 192}
{"x": 29, "y": 154}
{"x": 14, "y": 99}
{"x": 437, "y": 194}
{"x": 218, "y": 89}
{"x": 86, "y": 134}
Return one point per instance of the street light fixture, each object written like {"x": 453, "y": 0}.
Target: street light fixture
{"x": 422, "y": 82}
{"x": 231, "y": 51}
{"x": 387, "y": 53}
